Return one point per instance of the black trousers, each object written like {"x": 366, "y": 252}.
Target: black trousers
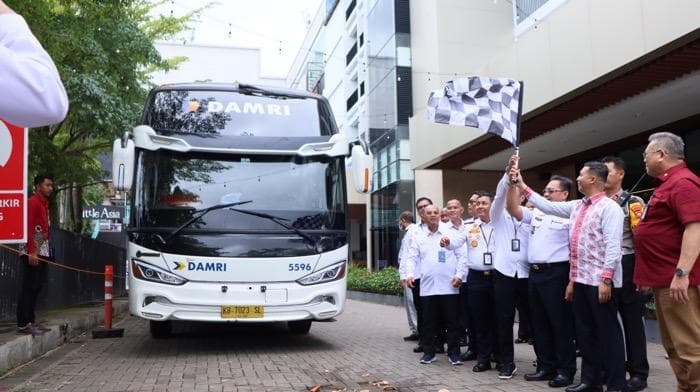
{"x": 436, "y": 310}
{"x": 631, "y": 307}
{"x": 419, "y": 305}
{"x": 507, "y": 293}
{"x": 466, "y": 317}
{"x": 33, "y": 278}
{"x": 481, "y": 306}
{"x": 522, "y": 304}
{"x": 599, "y": 337}
{"x": 552, "y": 319}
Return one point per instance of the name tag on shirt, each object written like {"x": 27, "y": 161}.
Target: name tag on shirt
{"x": 515, "y": 245}
{"x": 488, "y": 258}
{"x": 442, "y": 256}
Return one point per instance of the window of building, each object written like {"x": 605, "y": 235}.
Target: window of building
{"x": 528, "y": 13}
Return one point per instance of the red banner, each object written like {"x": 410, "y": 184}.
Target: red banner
{"x": 13, "y": 186}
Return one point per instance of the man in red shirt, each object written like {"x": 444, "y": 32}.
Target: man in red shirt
{"x": 667, "y": 245}
{"x": 33, "y": 269}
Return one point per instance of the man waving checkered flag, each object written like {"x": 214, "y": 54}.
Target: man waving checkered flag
{"x": 490, "y": 104}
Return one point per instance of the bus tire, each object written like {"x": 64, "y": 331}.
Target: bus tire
{"x": 161, "y": 329}
{"x": 301, "y": 327}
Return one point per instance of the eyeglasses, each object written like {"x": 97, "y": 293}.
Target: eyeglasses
{"x": 644, "y": 153}
{"x": 550, "y": 190}
{"x": 421, "y": 207}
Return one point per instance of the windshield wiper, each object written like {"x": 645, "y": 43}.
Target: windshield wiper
{"x": 280, "y": 222}
{"x": 200, "y": 213}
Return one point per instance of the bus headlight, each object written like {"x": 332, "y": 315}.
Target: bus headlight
{"x": 150, "y": 272}
{"x": 333, "y": 272}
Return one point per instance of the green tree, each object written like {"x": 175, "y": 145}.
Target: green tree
{"x": 104, "y": 51}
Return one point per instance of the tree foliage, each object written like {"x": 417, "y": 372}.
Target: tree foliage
{"x": 104, "y": 51}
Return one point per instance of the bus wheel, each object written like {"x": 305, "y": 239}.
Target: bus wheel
{"x": 161, "y": 329}
{"x": 300, "y": 327}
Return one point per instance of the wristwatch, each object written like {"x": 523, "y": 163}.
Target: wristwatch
{"x": 607, "y": 281}
{"x": 681, "y": 272}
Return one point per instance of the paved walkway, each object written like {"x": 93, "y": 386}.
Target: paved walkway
{"x": 362, "y": 347}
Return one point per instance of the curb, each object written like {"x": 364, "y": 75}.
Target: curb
{"x": 16, "y": 350}
{"x": 382, "y": 299}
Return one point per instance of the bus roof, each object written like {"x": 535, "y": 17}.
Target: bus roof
{"x": 236, "y": 86}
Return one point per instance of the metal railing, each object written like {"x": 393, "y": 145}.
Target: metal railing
{"x": 63, "y": 287}
{"x": 525, "y": 8}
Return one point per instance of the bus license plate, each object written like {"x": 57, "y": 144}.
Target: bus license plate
{"x": 253, "y": 311}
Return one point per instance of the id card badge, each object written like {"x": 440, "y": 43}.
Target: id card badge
{"x": 515, "y": 245}
{"x": 488, "y": 258}
{"x": 442, "y": 256}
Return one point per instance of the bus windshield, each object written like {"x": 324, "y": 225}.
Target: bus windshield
{"x": 304, "y": 194}
{"x": 231, "y": 113}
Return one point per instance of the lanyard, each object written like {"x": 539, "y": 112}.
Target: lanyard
{"x": 515, "y": 229}
{"x": 487, "y": 239}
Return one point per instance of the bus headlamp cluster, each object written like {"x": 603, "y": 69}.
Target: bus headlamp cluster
{"x": 333, "y": 272}
{"x": 145, "y": 271}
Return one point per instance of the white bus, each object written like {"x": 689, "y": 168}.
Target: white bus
{"x": 238, "y": 206}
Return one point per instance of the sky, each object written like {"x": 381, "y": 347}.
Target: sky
{"x": 251, "y": 24}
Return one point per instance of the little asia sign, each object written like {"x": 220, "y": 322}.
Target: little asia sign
{"x": 102, "y": 212}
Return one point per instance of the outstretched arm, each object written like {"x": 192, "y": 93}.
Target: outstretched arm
{"x": 33, "y": 94}
{"x": 561, "y": 209}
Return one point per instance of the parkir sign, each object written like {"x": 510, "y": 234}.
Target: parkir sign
{"x": 13, "y": 183}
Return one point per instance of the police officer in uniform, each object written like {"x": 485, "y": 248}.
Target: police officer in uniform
{"x": 630, "y": 302}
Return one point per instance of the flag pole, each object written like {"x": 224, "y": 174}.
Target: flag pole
{"x": 517, "y": 131}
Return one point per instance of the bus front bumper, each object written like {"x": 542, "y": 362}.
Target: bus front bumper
{"x": 199, "y": 301}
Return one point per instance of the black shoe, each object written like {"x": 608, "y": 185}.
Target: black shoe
{"x": 413, "y": 336}
{"x": 427, "y": 358}
{"x": 418, "y": 349}
{"x": 540, "y": 375}
{"x": 560, "y": 381}
{"x": 507, "y": 371}
{"x": 520, "y": 340}
{"x": 481, "y": 367}
{"x": 578, "y": 353}
{"x": 462, "y": 342}
{"x": 469, "y": 356}
{"x": 583, "y": 387}
{"x": 636, "y": 383}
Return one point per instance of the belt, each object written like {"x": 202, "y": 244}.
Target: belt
{"x": 536, "y": 267}
{"x": 483, "y": 273}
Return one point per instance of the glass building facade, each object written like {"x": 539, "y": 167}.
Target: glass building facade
{"x": 389, "y": 108}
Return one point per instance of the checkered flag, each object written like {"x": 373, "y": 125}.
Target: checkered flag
{"x": 490, "y": 104}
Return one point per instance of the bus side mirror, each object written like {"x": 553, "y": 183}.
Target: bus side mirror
{"x": 361, "y": 167}
{"x": 123, "y": 155}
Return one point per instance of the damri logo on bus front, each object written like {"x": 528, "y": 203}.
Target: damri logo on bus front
{"x": 199, "y": 266}
{"x": 269, "y": 109}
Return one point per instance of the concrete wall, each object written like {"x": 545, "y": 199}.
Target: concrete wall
{"x": 577, "y": 43}
{"x": 429, "y": 184}
{"x": 213, "y": 63}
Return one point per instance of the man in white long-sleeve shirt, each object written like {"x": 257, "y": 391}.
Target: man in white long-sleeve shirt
{"x": 480, "y": 250}
{"x": 421, "y": 203}
{"x": 441, "y": 272}
{"x": 32, "y": 94}
{"x": 510, "y": 280}
{"x": 596, "y": 253}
